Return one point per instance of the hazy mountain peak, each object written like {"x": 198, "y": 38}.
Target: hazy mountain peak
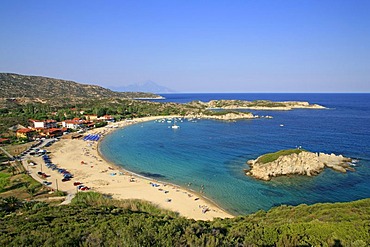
{"x": 146, "y": 86}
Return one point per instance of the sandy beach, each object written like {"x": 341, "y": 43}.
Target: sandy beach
{"x": 83, "y": 160}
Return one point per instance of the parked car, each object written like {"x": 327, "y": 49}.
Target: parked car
{"x": 47, "y": 183}
{"x": 42, "y": 174}
{"x": 67, "y": 175}
{"x": 80, "y": 186}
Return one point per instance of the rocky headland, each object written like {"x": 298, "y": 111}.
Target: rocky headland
{"x": 296, "y": 162}
{"x": 227, "y": 116}
{"x": 260, "y": 105}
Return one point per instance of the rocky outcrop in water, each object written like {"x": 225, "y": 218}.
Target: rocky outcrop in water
{"x": 303, "y": 163}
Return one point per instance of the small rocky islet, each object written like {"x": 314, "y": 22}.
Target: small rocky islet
{"x": 296, "y": 162}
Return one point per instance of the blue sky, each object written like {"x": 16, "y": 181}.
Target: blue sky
{"x": 192, "y": 46}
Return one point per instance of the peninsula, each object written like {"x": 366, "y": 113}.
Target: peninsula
{"x": 225, "y": 115}
{"x": 295, "y": 162}
{"x": 259, "y": 105}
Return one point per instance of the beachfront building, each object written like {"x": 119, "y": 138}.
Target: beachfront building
{"x": 75, "y": 123}
{"x": 25, "y": 133}
{"x": 49, "y": 133}
{"x": 107, "y": 118}
{"x": 50, "y": 123}
{"x": 91, "y": 117}
{"x": 54, "y": 132}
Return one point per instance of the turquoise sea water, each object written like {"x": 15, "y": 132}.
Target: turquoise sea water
{"x": 213, "y": 154}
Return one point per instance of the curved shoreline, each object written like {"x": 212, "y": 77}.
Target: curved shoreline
{"x": 209, "y": 201}
{"x": 90, "y": 167}
{"x": 142, "y": 120}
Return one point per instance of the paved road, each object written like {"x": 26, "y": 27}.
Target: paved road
{"x": 34, "y": 175}
{"x": 68, "y": 199}
{"x": 6, "y": 153}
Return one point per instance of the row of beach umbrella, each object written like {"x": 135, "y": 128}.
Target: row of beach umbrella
{"x": 92, "y": 137}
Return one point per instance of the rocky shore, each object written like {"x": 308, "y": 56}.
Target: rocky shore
{"x": 230, "y": 116}
{"x": 261, "y": 105}
{"x": 301, "y": 163}
{"x": 227, "y": 116}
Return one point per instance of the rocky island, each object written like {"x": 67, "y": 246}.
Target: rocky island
{"x": 259, "y": 105}
{"x": 295, "y": 162}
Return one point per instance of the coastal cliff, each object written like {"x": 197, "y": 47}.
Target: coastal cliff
{"x": 295, "y": 161}
{"x": 260, "y": 105}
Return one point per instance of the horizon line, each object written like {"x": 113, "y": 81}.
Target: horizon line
{"x": 260, "y": 92}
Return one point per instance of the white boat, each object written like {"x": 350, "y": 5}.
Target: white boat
{"x": 175, "y": 126}
{"x": 281, "y": 125}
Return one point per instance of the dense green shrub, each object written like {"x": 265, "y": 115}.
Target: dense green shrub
{"x": 266, "y": 158}
{"x": 95, "y": 220}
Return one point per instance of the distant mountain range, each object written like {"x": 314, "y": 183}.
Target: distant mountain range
{"x": 147, "y": 86}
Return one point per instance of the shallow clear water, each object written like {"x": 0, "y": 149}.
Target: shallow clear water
{"x": 214, "y": 153}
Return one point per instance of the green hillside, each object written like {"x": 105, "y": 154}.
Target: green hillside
{"x": 25, "y": 89}
{"x": 93, "y": 220}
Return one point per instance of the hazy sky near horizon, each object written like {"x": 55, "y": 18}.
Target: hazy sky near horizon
{"x": 192, "y": 46}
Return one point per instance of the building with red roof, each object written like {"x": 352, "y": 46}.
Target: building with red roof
{"x": 107, "y": 118}
{"x": 4, "y": 141}
{"x": 25, "y": 133}
{"x": 75, "y": 123}
{"x": 49, "y": 123}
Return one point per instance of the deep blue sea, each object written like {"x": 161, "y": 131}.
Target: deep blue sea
{"x": 213, "y": 154}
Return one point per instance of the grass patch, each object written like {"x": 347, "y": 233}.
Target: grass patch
{"x": 266, "y": 103}
{"x": 25, "y": 187}
{"x": 22, "y": 186}
{"x": 274, "y": 156}
{"x": 3, "y": 158}
{"x": 4, "y": 180}
{"x": 4, "y": 175}
{"x": 17, "y": 149}
{"x": 220, "y": 113}
{"x": 98, "y": 200}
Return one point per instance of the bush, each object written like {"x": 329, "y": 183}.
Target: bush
{"x": 4, "y": 181}
{"x": 266, "y": 158}
{"x": 84, "y": 223}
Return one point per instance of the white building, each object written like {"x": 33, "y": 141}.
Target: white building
{"x": 50, "y": 123}
{"x": 72, "y": 124}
